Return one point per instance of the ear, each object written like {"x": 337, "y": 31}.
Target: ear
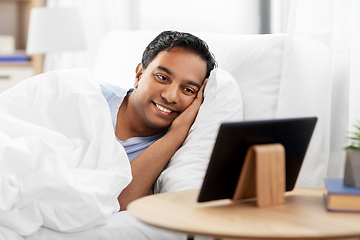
{"x": 138, "y": 75}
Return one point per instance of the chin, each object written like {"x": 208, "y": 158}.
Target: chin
{"x": 161, "y": 123}
{"x": 162, "y": 126}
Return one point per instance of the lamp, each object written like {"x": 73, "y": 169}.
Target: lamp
{"x": 55, "y": 30}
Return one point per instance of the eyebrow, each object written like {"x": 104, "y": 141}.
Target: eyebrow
{"x": 165, "y": 69}
{"x": 170, "y": 73}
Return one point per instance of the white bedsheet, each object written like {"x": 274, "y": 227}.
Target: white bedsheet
{"x": 121, "y": 226}
{"x": 60, "y": 165}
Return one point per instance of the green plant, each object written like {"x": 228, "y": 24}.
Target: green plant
{"x": 355, "y": 140}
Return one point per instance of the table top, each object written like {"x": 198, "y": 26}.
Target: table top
{"x": 302, "y": 216}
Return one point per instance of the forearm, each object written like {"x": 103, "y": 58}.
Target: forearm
{"x": 149, "y": 164}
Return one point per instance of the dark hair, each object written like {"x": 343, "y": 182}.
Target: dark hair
{"x": 167, "y": 40}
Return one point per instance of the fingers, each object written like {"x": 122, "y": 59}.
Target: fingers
{"x": 200, "y": 95}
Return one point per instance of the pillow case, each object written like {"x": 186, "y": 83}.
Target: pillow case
{"x": 255, "y": 61}
{"x": 222, "y": 102}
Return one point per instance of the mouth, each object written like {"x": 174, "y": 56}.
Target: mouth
{"x": 163, "y": 109}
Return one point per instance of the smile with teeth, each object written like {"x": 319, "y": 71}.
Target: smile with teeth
{"x": 161, "y": 108}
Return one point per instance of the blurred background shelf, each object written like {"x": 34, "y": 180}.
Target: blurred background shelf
{"x": 14, "y": 23}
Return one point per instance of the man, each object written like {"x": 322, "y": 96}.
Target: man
{"x": 152, "y": 120}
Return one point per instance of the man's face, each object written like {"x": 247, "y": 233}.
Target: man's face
{"x": 168, "y": 86}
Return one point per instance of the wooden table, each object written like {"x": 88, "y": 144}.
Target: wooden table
{"x": 302, "y": 216}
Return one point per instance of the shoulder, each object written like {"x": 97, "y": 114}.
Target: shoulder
{"x": 109, "y": 90}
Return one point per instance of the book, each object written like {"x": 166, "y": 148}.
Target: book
{"x": 17, "y": 56}
{"x": 340, "y": 197}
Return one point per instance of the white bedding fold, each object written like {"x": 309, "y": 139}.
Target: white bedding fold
{"x": 60, "y": 164}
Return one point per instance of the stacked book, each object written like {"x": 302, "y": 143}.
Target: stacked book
{"x": 16, "y": 57}
{"x": 340, "y": 197}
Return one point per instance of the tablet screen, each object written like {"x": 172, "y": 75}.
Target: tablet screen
{"x": 235, "y": 138}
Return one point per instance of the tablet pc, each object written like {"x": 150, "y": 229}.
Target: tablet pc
{"x": 235, "y": 138}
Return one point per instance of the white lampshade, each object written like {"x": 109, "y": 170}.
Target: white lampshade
{"x": 54, "y": 30}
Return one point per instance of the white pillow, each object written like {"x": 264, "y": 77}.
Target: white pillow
{"x": 255, "y": 61}
{"x": 223, "y": 102}
{"x": 119, "y": 54}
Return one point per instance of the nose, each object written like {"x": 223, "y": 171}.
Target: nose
{"x": 170, "y": 93}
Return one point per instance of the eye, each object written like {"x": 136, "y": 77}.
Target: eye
{"x": 189, "y": 90}
{"x": 161, "y": 78}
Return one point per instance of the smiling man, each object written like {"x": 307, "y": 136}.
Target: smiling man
{"x": 152, "y": 120}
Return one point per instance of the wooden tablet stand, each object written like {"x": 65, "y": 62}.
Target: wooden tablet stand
{"x": 263, "y": 175}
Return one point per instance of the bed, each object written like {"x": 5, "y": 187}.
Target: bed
{"x": 246, "y": 86}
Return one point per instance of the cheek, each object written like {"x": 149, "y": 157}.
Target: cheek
{"x": 149, "y": 84}
{"x": 186, "y": 102}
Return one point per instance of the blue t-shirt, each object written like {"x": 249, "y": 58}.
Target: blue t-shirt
{"x": 115, "y": 95}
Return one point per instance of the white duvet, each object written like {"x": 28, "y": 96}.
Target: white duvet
{"x": 60, "y": 165}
